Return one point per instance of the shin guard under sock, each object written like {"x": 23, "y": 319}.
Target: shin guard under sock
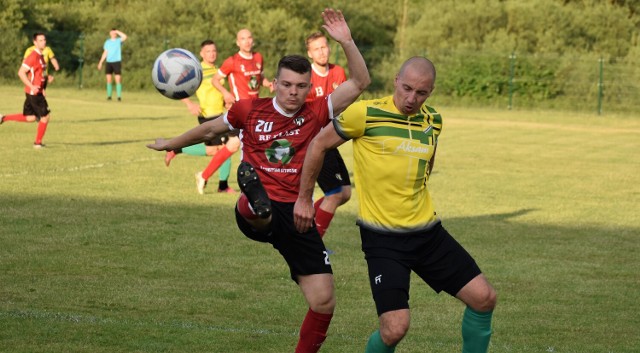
{"x": 313, "y": 332}
{"x": 476, "y": 331}
{"x": 377, "y": 345}
{"x": 42, "y": 128}
{"x": 216, "y": 161}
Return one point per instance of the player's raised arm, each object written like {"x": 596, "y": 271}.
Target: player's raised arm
{"x": 345, "y": 94}
{"x": 200, "y": 133}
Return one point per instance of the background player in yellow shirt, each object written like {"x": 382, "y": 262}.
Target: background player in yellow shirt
{"x": 49, "y": 57}
{"x": 210, "y": 106}
{"x": 394, "y": 145}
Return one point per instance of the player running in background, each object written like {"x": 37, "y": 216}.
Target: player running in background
{"x": 211, "y": 106}
{"x": 275, "y": 135}
{"x": 394, "y": 145}
{"x": 334, "y": 177}
{"x": 113, "y": 55}
{"x": 243, "y": 71}
{"x": 35, "y": 108}
{"x": 49, "y": 57}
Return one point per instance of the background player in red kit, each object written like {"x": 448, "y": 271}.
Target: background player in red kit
{"x": 334, "y": 177}
{"x": 31, "y": 73}
{"x": 243, "y": 70}
{"x": 275, "y": 134}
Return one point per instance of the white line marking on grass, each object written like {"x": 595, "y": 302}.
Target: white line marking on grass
{"x": 81, "y": 167}
{"x": 88, "y": 319}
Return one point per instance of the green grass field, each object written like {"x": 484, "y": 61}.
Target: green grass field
{"x": 104, "y": 249}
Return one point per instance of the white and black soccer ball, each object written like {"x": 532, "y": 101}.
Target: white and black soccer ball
{"x": 177, "y": 73}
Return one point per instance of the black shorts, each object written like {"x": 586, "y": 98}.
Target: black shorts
{"x": 305, "y": 253}
{"x": 36, "y": 105}
{"x": 334, "y": 173}
{"x": 432, "y": 254}
{"x": 113, "y": 68}
{"x": 219, "y": 139}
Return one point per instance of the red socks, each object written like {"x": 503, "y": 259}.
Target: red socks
{"x": 323, "y": 218}
{"x": 15, "y": 117}
{"x": 313, "y": 332}
{"x": 42, "y": 128}
{"x": 216, "y": 161}
{"x": 244, "y": 208}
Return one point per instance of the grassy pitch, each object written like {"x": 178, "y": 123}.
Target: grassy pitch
{"x": 104, "y": 249}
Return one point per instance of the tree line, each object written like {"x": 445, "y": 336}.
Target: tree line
{"x": 470, "y": 41}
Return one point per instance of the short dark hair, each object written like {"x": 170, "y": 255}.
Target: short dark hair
{"x": 296, "y": 63}
{"x": 207, "y": 42}
{"x": 35, "y": 35}
{"x": 313, "y": 36}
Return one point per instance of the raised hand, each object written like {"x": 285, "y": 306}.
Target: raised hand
{"x": 336, "y": 26}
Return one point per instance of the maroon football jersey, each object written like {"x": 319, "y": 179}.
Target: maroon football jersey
{"x": 275, "y": 143}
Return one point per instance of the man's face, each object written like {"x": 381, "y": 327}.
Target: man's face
{"x": 412, "y": 88}
{"x": 319, "y": 51}
{"x": 113, "y": 34}
{"x": 40, "y": 42}
{"x": 209, "y": 54}
{"x": 244, "y": 40}
{"x": 291, "y": 89}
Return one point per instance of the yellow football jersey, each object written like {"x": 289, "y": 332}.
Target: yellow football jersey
{"x": 47, "y": 53}
{"x": 391, "y": 152}
{"x": 210, "y": 99}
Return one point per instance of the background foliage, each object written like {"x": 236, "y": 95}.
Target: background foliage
{"x": 557, "y": 44}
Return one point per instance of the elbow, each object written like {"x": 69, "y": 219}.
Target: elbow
{"x": 364, "y": 82}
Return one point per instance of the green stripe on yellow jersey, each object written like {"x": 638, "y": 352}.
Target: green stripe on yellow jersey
{"x": 392, "y": 152}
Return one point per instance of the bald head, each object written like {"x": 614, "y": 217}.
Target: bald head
{"x": 414, "y": 84}
{"x": 418, "y": 65}
{"x": 244, "y": 40}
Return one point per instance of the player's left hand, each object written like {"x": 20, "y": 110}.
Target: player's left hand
{"x": 303, "y": 215}
{"x": 159, "y": 145}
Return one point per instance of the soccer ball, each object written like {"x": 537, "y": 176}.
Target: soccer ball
{"x": 177, "y": 73}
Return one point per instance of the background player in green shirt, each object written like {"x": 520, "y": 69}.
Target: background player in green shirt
{"x": 394, "y": 145}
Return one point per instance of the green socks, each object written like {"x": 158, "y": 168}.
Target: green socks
{"x": 376, "y": 345}
{"x": 109, "y": 89}
{"x": 195, "y": 150}
{"x": 225, "y": 170}
{"x": 476, "y": 331}
{"x": 118, "y": 90}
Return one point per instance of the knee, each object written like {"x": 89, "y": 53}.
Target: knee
{"x": 392, "y": 334}
{"x": 233, "y": 145}
{"x": 486, "y": 301}
{"x": 324, "y": 304}
{"x": 345, "y": 194}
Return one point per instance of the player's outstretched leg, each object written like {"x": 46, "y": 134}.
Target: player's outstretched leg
{"x": 251, "y": 186}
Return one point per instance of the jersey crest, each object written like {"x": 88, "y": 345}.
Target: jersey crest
{"x": 280, "y": 152}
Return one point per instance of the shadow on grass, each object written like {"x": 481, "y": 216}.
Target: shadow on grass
{"x": 140, "y": 264}
{"x": 103, "y": 120}
{"x": 104, "y": 143}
